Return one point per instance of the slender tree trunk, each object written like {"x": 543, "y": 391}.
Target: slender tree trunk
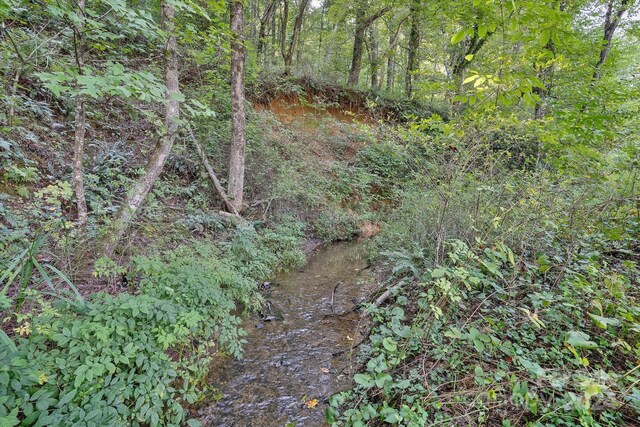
{"x": 287, "y": 52}
{"x": 545, "y": 75}
{"x": 391, "y": 71}
{"x": 374, "y": 61}
{"x": 238, "y": 121}
{"x": 611, "y": 21}
{"x": 264, "y": 22}
{"x": 80, "y": 125}
{"x": 414, "y": 45}
{"x": 358, "y": 41}
{"x": 391, "y": 53}
{"x": 274, "y": 35}
{"x": 323, "y": 12}
{"x": 284, "y": 19}
{"x": 138, "y": 193}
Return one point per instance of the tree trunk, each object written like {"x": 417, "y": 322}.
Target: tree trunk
{"x": 323, "y": 12}
{"x": 611, "y": 21}
{"x": 414, "y": 44}
{"x": 238, "y": 121}
{"x": 287, "y": 52}
{"x": 284, "y": 19}
{"x": 77, "y": 181}
{"x": 272, "y": 53}
{"x": 374, "y": 61}
{"x": 138, "y": 193}
{"x": 391, "y": 71}
{"x": 264, "y": 21}
{"x": 472, "y": 46}
{"x": 391, "y": 52}
{"x": 545, "y": 73}
{"x": 358, "y": 42}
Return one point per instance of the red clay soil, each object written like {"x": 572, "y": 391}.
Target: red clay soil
{"x": 290, "y": 108}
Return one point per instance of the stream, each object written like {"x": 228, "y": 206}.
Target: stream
{"x": 288, "y": 360}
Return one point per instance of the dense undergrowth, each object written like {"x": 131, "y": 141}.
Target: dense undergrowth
{"x": 128, "y": 340}
{"x": 511, "y": 255}
{"x": 134, "y": 358}
{"x": 513, "y": 271}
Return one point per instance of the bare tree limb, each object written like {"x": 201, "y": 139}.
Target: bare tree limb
{"x": 212, "y": 174}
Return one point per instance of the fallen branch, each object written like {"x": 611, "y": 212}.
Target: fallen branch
{"x": 216, "y": 182}
{"x": 365, "y": 314}
{"x": 384, "y": 296}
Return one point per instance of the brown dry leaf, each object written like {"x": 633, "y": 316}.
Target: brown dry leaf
{"x": 325, "y": 370}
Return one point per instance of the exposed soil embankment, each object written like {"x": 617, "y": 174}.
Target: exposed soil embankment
{"x": 290, "y": 108}
{"x": 293, "y": 96}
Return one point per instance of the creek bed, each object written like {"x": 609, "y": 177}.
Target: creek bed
{"x": 288, "y": 363}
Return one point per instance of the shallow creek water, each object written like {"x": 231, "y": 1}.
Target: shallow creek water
{"x": 289, "y": 362}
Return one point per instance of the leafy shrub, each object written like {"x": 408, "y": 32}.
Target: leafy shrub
{"x": 569, "y": 360}
{"x": 260, "y": 254}
{"x": 335, "y": 225}
{"x": 134, "y": 359}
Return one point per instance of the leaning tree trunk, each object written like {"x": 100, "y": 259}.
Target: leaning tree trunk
{"x": 138, "y": 193}
{"x": 77, "y": 181}
{"x": 611, "y": 21}
{"x": 238, "y": 121}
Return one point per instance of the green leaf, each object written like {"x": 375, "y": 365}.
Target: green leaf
{"x": 603, "y": 322}
{"x": 579, "y": 339}
{"x": 457, "y": 37}
{"x": 364, "y": 380}
{"x": 66, "y": 398}
{"x": 11, "y": 419}
{"x": 437, "y": 273}
{"x": 545, "y": 36}
{"x": 482, "y": 30}
{"x": 532, "y": 367}
{"x": 470, "y": 79}
{"x": 390, "y": 344}
{"x": 454, "y": 333}
{"x": 391, "y": 415}
{"x": 382, "y": 379}
{"x": 7, "y": 342}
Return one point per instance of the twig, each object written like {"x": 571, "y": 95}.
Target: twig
{"x": 333, "y": 293}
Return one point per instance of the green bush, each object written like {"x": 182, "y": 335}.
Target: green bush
{"x": 488, "y": 337}
{"x": 336, "y": 225}
{"x": 134, "y": 359}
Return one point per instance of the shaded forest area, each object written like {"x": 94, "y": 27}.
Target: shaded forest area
{"x": 160, "y": 160}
